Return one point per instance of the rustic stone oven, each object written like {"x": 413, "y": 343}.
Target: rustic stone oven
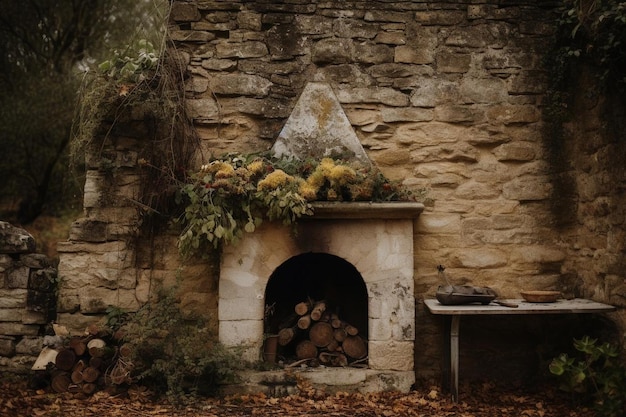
{"x": 356, "y": 256}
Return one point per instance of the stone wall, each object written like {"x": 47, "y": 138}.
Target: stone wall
{"x": 444, "y": 96}
{"x": 27, "y": 298}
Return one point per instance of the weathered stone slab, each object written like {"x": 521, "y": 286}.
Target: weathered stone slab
{"x": 241, "y": 50}
{"x": 318, "y": 127}
{"x": 17, "y": 277}
{"x": 15, "y": 298}
{"x": 391, "y": 355}
{"x": 240, "y": 84}
{"x": 184, "y": 12}
{"x": 15, "y": 240}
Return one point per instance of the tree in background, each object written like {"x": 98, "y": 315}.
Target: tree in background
{"x": 45, "y": 49}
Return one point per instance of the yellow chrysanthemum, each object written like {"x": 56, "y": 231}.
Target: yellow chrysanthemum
{"x": 342, "y": 174}
{"x": 225, "y": 171}
{"x": 326, "y": 165}
{"x": 274, "y": 180}
{"x": 316, "y": 179}
{"x": 255, "y": 167}
{"x": 308, "y": 191}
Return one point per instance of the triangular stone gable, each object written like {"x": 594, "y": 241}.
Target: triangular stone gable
{"x": 318, "y": 127}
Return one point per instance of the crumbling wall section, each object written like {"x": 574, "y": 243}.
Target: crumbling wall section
{"x": 27, "y": 298}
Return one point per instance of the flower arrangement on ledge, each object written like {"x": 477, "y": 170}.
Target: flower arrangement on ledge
{"x": 235, "y": 194}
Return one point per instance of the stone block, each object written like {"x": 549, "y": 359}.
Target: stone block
{"x": 194, "y": 36}
{"x": 68, "y": 302}
{"x": 527, "y": 189}
{"x": 184, "y": 12}
{"x": 439, "y": 223}
{"x": 473, "y": 190}
{"x": 483, "y": 90}
{"x": 11, "y": 314}
{"x": 240, "y": 84}
{"x": 15, "y": 298}
{"x": 313, "y": 25}
{"x": 481, "y": 258}
{"x": 389, "y": 381}
{"x": 391, "y": 355}
{"x": 241, "y": 50}
{"x": 510, "y": 114}
{"x": 391, "y": 38}
{"x": 440, "y": 17}
{"x": 517, "y": 152}
{"x": 95, "y": 300}
{"x": 5, "y": 262}
{"x": 18, "y": 329}
{"x": 43, "y": 279}
{"x": 383, "y": 95}
{"x": 15, "y": 240}
{"x": 406, "y": 114}
{"x": 332, "y": 51}
{"x": 7, "y": 346}
{"x": 537, "y": 254}
{"x": 17, "y": 277}
{"x": 36, "y": 317}
{"x": 477, "y": 36}
{"x": 430, "y": 92}
{"x": 249, "y": 20}
{"x": 77, "y": 323}
{"x": 35, "y": 260}
{"x": 373, "y": 53}
{"x": 411, "y": 55}
{"x": 458, "y": 114}
{"x": 29, "y": 346}
{"x": 453, "y": 62}
{"x": 240, "y": 309}
{"x": 244, "y": 333}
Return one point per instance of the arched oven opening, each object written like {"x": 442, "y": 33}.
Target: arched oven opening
{"x": 317, "y": 304}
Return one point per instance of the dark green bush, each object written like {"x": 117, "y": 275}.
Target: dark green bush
{"x": 594, "y": 374}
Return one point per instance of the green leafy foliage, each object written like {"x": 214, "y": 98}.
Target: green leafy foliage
{"x": 594, "y": 31}
{"x": 595, "y": 373}
{"x": 175, "y": 355}
{"x": 233, "y": 195}
{"x": 143, "y": 58}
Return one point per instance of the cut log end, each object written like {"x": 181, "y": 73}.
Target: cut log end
{"x": 355, "y": 347}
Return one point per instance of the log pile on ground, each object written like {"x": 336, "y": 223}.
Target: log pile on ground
{"x": 87, "y": 363}
{"x": 320, "y": 335}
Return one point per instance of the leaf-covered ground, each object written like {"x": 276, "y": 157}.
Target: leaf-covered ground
{"x": 17, "y": 400}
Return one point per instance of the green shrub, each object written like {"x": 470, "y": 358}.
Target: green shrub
{"x": 595, "y": 374}
{"x": 176, "y": 356}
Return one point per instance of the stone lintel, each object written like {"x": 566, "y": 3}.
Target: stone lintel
{"x": 366, "y": 210}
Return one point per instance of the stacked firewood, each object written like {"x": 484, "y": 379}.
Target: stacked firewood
{"x": 327, "y": 338}
{"x": 88, "y": 363}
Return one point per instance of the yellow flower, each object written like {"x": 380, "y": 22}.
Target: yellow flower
{"x": 326, "y": 164}
{"x": 342, "y": 174}
{"x": 225, "y": 171}
{"x": 316, "y": 179}
{"x": 274, "y": 180}
{"x": 255, "y": 167}
{"x": 308, "y": 191}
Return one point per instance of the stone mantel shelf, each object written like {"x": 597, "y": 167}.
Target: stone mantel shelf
{"x": 366, "y": 210}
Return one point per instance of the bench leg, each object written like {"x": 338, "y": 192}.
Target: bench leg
{"x": 454, "y": 357}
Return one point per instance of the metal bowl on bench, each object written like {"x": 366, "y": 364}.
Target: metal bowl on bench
{"x": 540, "y": 296}
{"x": 464, "y": 294}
